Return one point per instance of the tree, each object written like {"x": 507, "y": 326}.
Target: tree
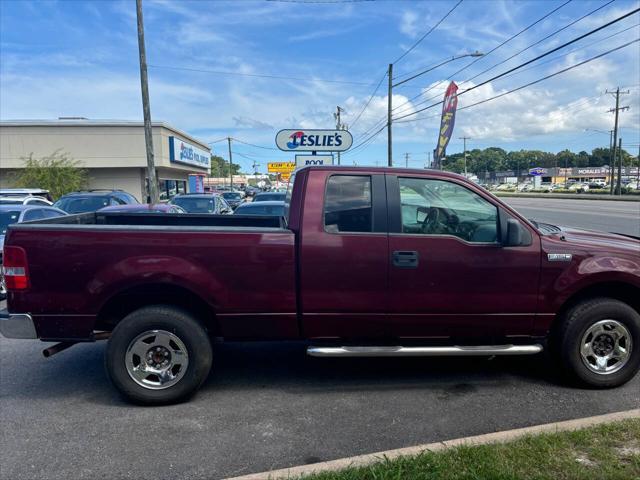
{"x": 220, "y": 167}
{"x": 58, "y": 173}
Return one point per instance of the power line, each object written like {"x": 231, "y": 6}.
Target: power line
{"x": 540, "y": 41}
{"x": 257, "y": 146}
{"x": 488, "y": 53}
{"x": 369, "y": 101}
{"x": 258, "y": 75}
{"x": 428, "y": 32}
{"x": 553, "y": 59}
{"x": 531, "y": 83}
{"x": 551, "y": 75}
{"x": 549, "y": 52}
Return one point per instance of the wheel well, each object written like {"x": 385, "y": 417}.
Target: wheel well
{"x": 617, "y": 290}
{"x": 125, "y": 302}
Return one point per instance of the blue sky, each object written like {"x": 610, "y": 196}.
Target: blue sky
{"x": 79, "y": 58}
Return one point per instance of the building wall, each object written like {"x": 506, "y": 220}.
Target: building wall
{"x": 128, "y": 179}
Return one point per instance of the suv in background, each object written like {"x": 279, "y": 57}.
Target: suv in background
{"x": 93, "y": 200}
{"x": 207, "y": 203}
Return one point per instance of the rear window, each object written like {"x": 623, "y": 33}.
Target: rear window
{"x": 270, "y": 197}
{"x": 347, "y": 206}
{"x": 196, "y": 204}
{"x": 6, "y": 219}
{"x": 257, "y": 209}
{"x": 82, "y": 204}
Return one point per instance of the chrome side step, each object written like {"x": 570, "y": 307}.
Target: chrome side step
{"x": 398, "y": 351}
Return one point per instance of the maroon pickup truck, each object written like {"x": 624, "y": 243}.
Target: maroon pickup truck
{"x": 366, "y": 262}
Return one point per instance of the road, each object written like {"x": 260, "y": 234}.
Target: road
{"x": 269, "y": 406}
{"x": 603, "y": 215}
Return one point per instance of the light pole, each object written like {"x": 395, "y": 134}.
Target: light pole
{"x": 464, "y": 139}
{"x": 392, "y": 85}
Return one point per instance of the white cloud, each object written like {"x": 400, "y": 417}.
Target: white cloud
{"x": 408, "y": 23}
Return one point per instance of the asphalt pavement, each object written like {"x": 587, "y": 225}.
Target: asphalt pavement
{"x": 269, "y": 406}
{"x": 602, "y": 215}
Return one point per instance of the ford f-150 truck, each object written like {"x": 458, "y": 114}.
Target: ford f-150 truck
{"x": 365, "y": 262}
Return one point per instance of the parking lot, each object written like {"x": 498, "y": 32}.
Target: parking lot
{"x": 269, "y": 406}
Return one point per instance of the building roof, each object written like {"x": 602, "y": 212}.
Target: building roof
{"x": 86, "y": 122}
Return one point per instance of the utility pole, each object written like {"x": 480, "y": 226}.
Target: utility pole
{"x": 230, "y": 164}
{"x": 619, "y": 183}
{"x": 464, "y": 139}
{"x": 428, "y": 164}
{"x": 406, "y": 160}
{"x": 611, "y": 160}
{"x": 615, "y": 132}
{"x": 339, "y": 125}
{"x": 389, "y": 108}
{"x": 146, "y": 110}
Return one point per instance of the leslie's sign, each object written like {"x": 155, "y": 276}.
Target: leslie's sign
{"x": 314, "y": 140}
{"x": 183, "y": 152}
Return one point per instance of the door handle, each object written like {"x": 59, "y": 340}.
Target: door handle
{"x": 405, "y": 259}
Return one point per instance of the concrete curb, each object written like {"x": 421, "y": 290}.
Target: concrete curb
{"x": 497, "y": 437}
{"x": 570, "y": 196}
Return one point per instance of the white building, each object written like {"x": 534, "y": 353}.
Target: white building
{"x": 112, "y": 151}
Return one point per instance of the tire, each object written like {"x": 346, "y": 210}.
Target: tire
{"x": 592, "y": 320}
{"x": 172, "y": 343}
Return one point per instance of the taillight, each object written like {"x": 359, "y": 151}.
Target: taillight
{"x": 14, "y": 267}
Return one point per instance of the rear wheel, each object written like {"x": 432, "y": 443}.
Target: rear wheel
{"x": 158, "y": 355}
{"x": 599, "y": 343}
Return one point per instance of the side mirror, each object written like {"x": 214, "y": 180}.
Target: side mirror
{"x": 514, "y": 233}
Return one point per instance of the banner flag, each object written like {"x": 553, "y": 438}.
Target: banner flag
{"x": 446, "y": 124}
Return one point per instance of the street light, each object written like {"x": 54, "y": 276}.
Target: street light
{"x": 391, "y": 86}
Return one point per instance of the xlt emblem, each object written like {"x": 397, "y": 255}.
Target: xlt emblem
{"x": 559, "y": 257}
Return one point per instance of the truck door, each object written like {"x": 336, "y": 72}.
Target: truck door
{"x": 343, "y": 255}
{"x": 450, "y": 276}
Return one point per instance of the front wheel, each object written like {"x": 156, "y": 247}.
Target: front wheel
{"x": 599, "y": 343}
{"x": 158, "y": 355}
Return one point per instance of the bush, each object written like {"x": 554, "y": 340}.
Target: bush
{"x": 57, "y": 173}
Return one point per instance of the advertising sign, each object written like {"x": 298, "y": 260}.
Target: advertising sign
{"x": 284, "y": 177}
{"x": 537, "y": 171}
{"x": 183, "y": 152}
{"x": 306, "y": 160}
{"x": 314, "y": 140}
{"x": 281, "y": 167}
{"x": 447, "y": 122}
{"x": 196, "y": 183}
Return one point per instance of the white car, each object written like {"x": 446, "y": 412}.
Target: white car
{"x": 24, "y": 200}
{"x": 579, "y": 187}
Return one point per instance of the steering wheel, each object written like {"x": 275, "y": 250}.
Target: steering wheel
{"x": 431, "y": 220}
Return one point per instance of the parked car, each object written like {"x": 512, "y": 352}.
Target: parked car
{"x": 270, "y": 197}
{"x": 546, "y": 187}
{"x": 233, "y": 199}
{"x": 93, "y": 200}
{"x": 366, "y": 262}
{"x": 252, "y": 191}
{"x": 213, "y": 203}
{"x": 579, "y": 187}
{"x": 24, "y": 200}
{"x": 145, "y": 208}
{"x": 22, "y": 192}
{"x": 261, "y": 208}
{"x": 10, "y": 214}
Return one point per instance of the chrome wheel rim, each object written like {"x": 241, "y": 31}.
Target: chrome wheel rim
{"x": 156, "y": 359}
{"x": 606, "y": 347}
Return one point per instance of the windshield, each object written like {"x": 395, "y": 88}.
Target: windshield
{"x": 6, "y": 219}
{"x": 232, "y": 196}
{"x": 82, "y": 204}
{"x": 196, "y": 204}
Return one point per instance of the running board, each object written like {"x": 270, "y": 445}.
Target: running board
{"x": 384, "y": 351}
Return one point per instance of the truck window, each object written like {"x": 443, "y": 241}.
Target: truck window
{"x": 438, "y": 207}
{"x": 347, "y": 204}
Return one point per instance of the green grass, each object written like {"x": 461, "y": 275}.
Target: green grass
{"x": 603, "y": 452}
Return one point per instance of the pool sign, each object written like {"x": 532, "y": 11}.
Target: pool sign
{"x": 314, "y": 140}
{"x": 537, "y": 171}
{"x": 183, "y": 152}
{"x": 307, "y": 160}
